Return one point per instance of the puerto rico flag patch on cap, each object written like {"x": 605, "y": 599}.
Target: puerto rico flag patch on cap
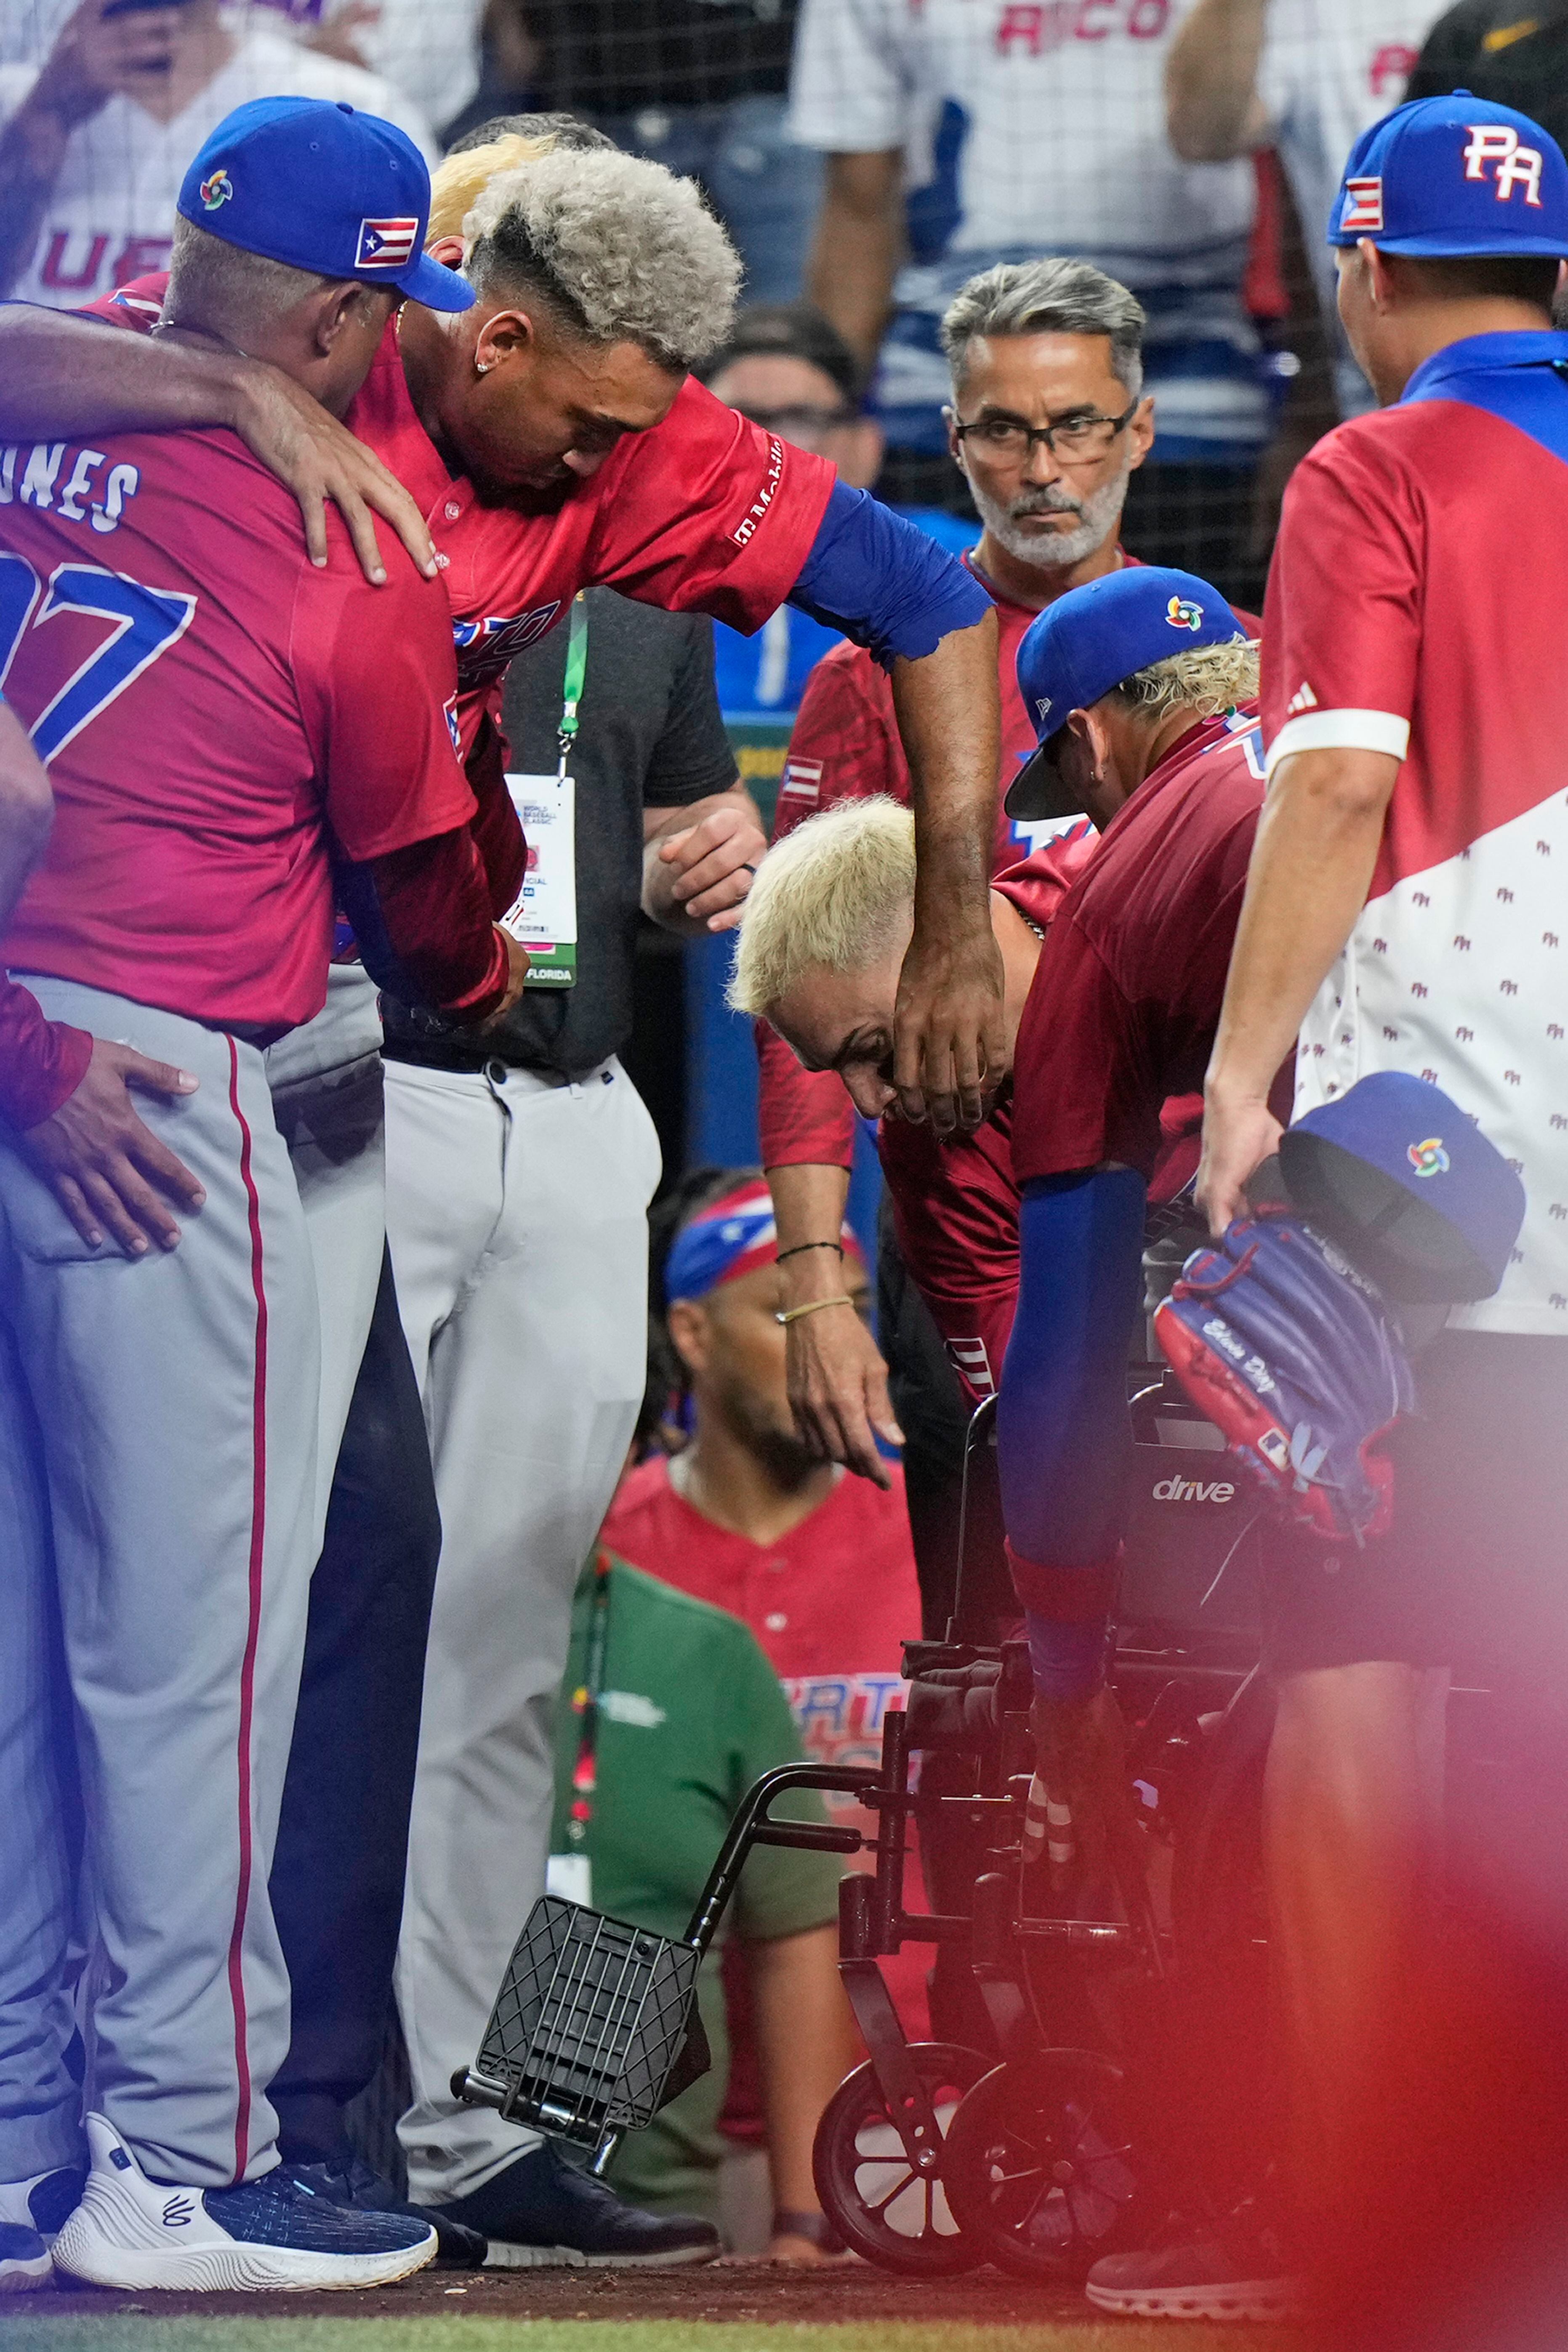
{"x": 385, "y": 243}
{"x": 1364, "y": 206}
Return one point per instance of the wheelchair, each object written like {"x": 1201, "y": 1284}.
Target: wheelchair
{"x": 1040, "y": 2135}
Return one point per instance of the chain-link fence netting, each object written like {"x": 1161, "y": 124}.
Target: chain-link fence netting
{"x": 866, "y": 156}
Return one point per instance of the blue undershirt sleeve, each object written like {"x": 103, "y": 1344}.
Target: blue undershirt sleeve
{"x": 1063, "y": 1434}
{"x": 883, "y": 582}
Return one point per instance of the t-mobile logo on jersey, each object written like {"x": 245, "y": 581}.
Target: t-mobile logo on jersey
{"x": 1517, "y": 166}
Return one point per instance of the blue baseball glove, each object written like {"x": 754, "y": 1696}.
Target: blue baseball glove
{"x": 1293, "y": 1354}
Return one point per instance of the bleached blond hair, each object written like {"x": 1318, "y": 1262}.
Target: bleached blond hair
{"x": 835, "y": 894}
{"x": 619, "y": 249}
{"x": 460, "y": 180}
{"x": 1208, "y": 681}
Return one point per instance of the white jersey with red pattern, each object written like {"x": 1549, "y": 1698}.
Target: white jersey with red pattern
{"x": 110, "y": 213}
{"x": 1418, "y": 606}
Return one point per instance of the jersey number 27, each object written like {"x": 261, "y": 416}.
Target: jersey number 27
{"x": 146, "y": 623}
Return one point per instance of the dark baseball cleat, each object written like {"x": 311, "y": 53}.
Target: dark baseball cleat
{"x": 541, "y": 2214}
{"x": 348, "y": 2179}
{"x": 1240, "y": 2272}
{"x": 134, "y": 2233}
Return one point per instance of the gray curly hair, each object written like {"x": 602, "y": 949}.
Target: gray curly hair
{"x": 620, "y": 249}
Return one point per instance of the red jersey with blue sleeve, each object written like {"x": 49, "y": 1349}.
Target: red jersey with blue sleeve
{"x": 1418, "y": 606}
{"x": 1127, "y": 995}
{"x": 705, "y": 512}
{"x": 219, "y": 721}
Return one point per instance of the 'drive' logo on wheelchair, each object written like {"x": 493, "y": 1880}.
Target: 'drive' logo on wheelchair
{"x": 1194, "y": 1490}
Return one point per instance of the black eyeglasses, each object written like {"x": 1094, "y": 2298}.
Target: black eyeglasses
{"x": 1071, "y": 440}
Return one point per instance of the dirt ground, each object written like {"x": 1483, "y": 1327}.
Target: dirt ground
{"x": 760, "y": 2291}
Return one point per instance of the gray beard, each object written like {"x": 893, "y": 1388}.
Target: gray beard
{"x": 1057, "y": 550}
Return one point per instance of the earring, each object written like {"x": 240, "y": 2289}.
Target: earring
{"x": 481, "y": 367}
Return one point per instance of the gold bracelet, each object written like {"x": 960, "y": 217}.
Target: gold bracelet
{"x": 793, "y": 1314}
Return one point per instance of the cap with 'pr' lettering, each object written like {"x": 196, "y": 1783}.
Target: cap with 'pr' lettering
{"x": 1454, "y": 176}
{"x": 313, "y": 183}
{"x": 1089, "y": 641}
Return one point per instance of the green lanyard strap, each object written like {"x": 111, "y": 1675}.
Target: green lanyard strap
{"x": 576, "y": 671}
{"x": 586, "y": 1701}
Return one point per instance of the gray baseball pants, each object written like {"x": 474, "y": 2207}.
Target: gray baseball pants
{"x": 176, "y": 1400}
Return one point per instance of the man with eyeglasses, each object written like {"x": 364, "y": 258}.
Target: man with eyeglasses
{"x": 1047, "y": 423}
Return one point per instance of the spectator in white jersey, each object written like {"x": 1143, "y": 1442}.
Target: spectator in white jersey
{"x": 1306, "y": 78}
{"x": 968, "y": 133}
{"x": 102, "y": 110}
{"x": 430, "y": 54}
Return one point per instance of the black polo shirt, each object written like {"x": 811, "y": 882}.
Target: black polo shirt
{"x": 650, "y": 736}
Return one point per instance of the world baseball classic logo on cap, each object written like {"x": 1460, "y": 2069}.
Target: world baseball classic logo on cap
{"x": 1364, "y": 206}
{"x": 385, "y": 243}
{"x": 215, "y": 189}
{"x": 1180, "y": 613}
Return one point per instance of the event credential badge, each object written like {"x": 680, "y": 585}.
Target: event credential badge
{"x": 544, "y": 917}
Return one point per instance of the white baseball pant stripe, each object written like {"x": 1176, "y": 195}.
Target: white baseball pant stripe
{"x": 517, "y": 1213}
{"x": 176, "y": 1397}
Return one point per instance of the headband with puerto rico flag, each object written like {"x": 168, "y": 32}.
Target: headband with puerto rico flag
{"x": 728, "y": 1239}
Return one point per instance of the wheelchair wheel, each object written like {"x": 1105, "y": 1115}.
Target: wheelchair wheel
{"x": 871, "y": 2191}
{"x": 1041, "y": 2169}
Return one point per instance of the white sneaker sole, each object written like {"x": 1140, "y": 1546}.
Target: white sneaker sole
{"x": 237, "y": 2268}
{"x": 27, "y": 2277}
{"x": 505, "y": 2254}
{"x": 1257, "y": 2300}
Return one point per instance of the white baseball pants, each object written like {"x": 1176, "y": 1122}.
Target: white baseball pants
{"x": 517, "y": 1217}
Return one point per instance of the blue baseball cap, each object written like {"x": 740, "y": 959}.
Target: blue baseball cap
{"x": 1087, "y": 642}
{"x": 313, "y": 183}
{"x": 1453, "y": 176}
{"x": 1407, "y": 1184}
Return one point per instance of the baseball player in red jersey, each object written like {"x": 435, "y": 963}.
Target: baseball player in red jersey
{"x": 183, "y": 908}
{"x": 546, "y": 447}
{"x": 954, "y": 1205}
{"x": 1403, "y": 913}
{"x": 1115, "y": 946}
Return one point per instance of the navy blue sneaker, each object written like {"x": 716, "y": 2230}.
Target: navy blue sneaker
{"x": 348, "y": 2179}
{"x": 260, "y": 2235}
{"x": 31, "y": 2215}
{"x": 541, "y": 2214}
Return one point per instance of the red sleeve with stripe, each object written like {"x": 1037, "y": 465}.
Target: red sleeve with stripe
{"x": 41, "y": 1062}
{"x": 845, "y": 746}
{"x": 955, "y": 1210}
{"x": 709, "y": 513}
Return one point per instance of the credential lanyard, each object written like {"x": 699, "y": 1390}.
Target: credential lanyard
{"x": 586, "y": 1699}
{"x": 576, "y": 671}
